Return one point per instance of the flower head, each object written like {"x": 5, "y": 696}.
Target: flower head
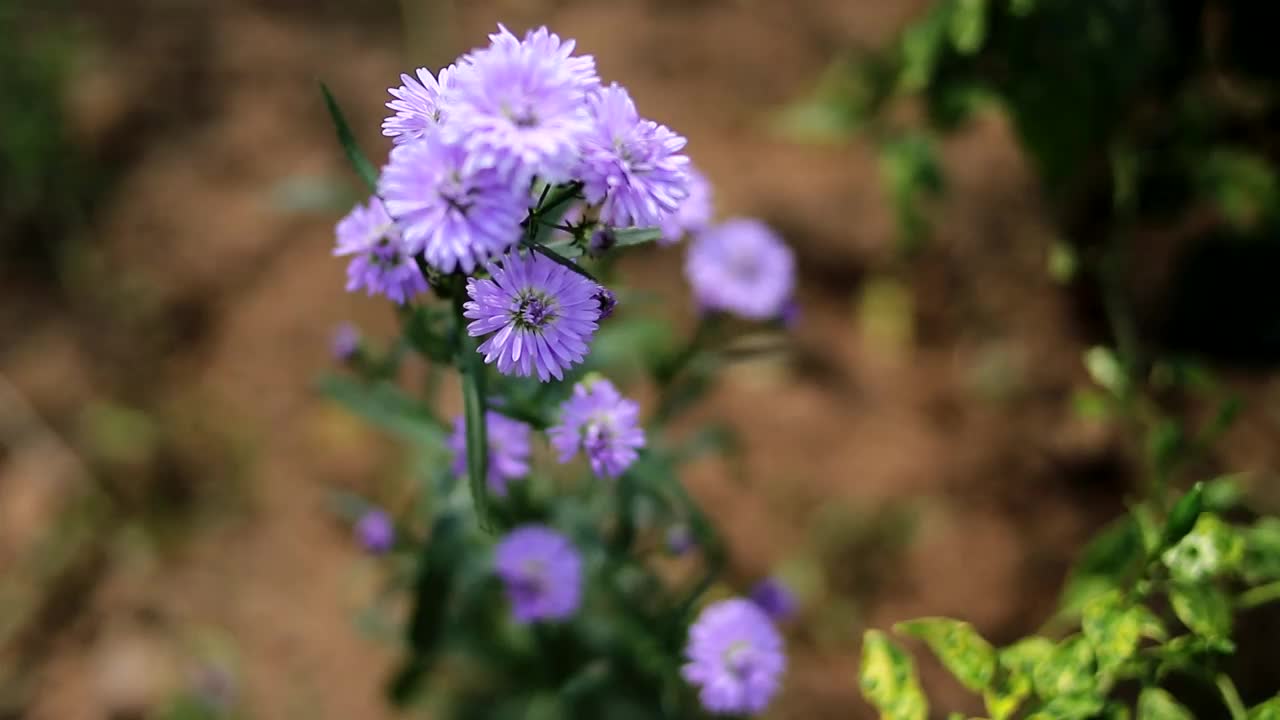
{"x": 741, "y": 267}
{"x": 345, "y": 342}
{"x": 630, "y": 166}
{"x": 735, "y": 656}
{"x": 455, "y": 212}
{"x": 775, "y": 599}
{"x": 509, "y": 448}
{"x": 520, "y": 104}
{"x": 694, "y": 213}
{"x": 542, "y": 316}
{"x": 379, "y": 264}
{"x": 542, "y": 572}
{"x": 598, "y": 420}
{"x": 680, "y": 539}
{"x": 375, "y": 531}
{"x": 418, "y": 105}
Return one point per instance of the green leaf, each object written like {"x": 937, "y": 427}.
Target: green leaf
{"x": 1113, "y": 629}
{"x": 1007, "y": 692}
{"x": 1105, "y": 562}
{"x": 1071, "y": 707}
{"x": 1068, "y": 672}
{"x": 1269, "y": 710}
{"x": 436, "y": 570}
{"x": 426, "y": 329}
{"x": 960, "y": 648}
{"x": 1203, "y": 608}
{"x": 365, "y": 169}
{"x": 1242, "y": 183}
{"x": 1210, "y": 549}
{"x": 969, "y": 25}
{"x": 888, "y": 679}
{"x": 473, "y": 405}
{"x": 628, "y": 237}
{"x": 920, "y": 47}
{"x": 1106, "y": 370}
{"x": 386, "y": 406}
{"x": 1184, "y": 514}
{"x": 1156, "y": 704}
{"x": 1262, "y": 550}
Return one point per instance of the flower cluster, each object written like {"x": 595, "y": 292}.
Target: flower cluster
{"x": 504, "y": 167}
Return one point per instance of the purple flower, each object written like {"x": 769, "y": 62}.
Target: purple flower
{"x": 680, "y": 539}
{"x": 456, "y": 213}
{"x": 520, "y": 104}
{"x": 542, "y": 316}
{"x": 542, "y": 572}
{"x": 598, "y": 420}
{"x": 509, "y": 448}
{"x": 741, "y": 267}
{"x": 376, "y": 532}
{"x": 379, "y": 266}
{"x": 345, "y": 342}
{"x": 631, "y": 167}
{"x": 608, "y": 302}
{"x": 694, "y": 213}
{"x": 418, "y": 105}
{"x": 735, "y": 656}
{"x": 775, "y": 599}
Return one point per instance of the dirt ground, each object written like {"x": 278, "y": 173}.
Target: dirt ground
{"x": 211, "y": 294}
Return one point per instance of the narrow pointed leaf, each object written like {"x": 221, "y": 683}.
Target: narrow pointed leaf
{"x": 365, "y": 169}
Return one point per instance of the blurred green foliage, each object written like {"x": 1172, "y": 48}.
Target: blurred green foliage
{"x": 46, "y": 182}
{"x": 1138, "y": 116}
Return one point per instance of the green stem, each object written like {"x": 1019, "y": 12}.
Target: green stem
{"x": 1232, "y": 698}
{"x": 1261, "y": 595}
{"x": 471, "y": 366}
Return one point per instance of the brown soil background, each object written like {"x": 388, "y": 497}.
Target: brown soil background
{"x": 197, "y": 299}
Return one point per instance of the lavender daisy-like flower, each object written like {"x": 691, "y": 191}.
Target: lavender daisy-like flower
{"x": 455, "y": 212}
{"x": 520, "y": 104}
{"x": 379, "y": 264}
{"x": 741, "y": 267}
{"x": 631, "y": 167}
{"x": 693, "y": 215}
{"x": 598, "y": 420}
{"x": 345, "y": 342}
{"x": 735, "y": 656}
{"x": 542, "y": 572}
{"x": 542, "y": 316}
{"x": 375, "y": 531}
{"x": 418, "y": 105}
{"x": 775, "y": 599}
{"x": 509, "y": 449}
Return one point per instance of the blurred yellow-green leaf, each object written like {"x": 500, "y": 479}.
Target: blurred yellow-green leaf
{"x": 960, "y": 648}
{"x": 888, "y": 679}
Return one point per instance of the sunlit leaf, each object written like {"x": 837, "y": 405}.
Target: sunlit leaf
{"x": 960, "y": 648}
{"x": 1203, "y": 608}
{"x": 888, "y": 679}
{"x": 1156, "y": 704}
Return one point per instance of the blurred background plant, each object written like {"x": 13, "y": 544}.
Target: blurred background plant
{"x": 931, "y": 444}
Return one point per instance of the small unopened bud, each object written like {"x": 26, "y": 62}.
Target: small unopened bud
{"x": 601, "y": 241}
{"x": 608, "y": 301}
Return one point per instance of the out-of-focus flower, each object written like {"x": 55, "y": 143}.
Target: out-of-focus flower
{"x": 379, "y": 264}
{"x": 741, "y": 267}
{"x": 680, "y": 539}
{"x": 602, "y": 423}
{"x": 695, "y": 211}
{"x": 509, "y": 448}
{"x": 631, "y": 167}
{"x": 775, "y": 599}
{"x": 345, "y": 342}
{"x": 735, "y": 656}
{"x": 375, "y": 531}
{"x": 542, "y": 316}
{"x": 542, "y": 572}
{"x": 419, "y": 105}
{"x": 456, "y": 212}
